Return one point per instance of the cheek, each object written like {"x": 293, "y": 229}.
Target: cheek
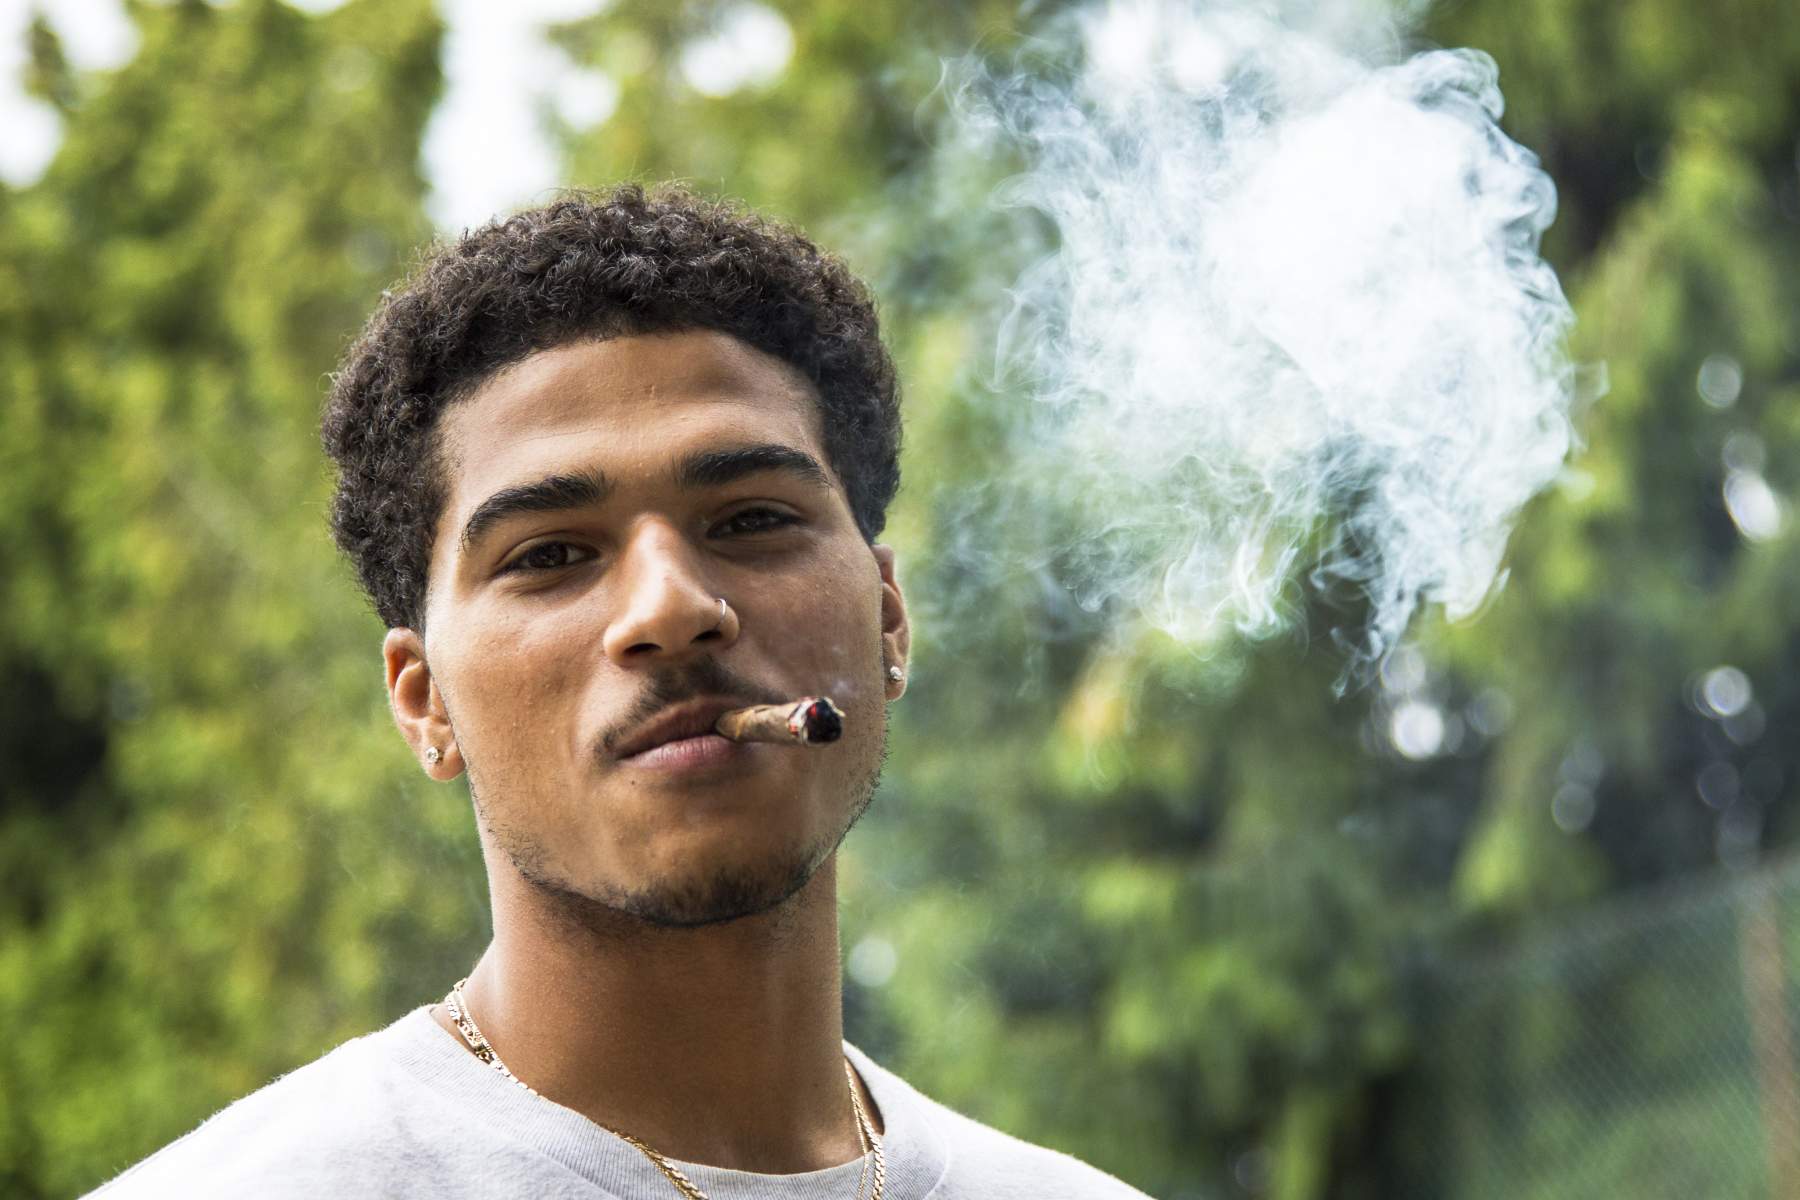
{"x": 834, "y": 634}
{"x": 518, "y": 683}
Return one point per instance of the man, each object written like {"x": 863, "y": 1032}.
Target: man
{"x": 608, "y": 470}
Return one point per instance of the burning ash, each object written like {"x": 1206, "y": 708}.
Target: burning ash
{"x": 809, "y": 721}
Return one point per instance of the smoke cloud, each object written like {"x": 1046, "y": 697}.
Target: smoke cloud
{"x": 1292, "y": 323}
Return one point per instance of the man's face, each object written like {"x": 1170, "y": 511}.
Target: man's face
{"x": 602, "y": 497}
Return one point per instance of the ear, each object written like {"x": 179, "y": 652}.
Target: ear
{"x": 418, "y": 705}
{"x": 896, "y": 632}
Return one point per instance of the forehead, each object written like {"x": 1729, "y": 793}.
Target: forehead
{"x": 628, "y": 405}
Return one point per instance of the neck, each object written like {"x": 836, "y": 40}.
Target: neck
{"x": 720, "y": 1045}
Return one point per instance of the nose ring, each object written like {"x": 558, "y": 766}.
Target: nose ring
{"x": 720, "y": 623}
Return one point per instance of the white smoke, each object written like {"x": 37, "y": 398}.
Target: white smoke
{"x": 1295, "y": 315}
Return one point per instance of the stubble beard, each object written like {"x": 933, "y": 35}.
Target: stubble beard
{"x": 728, "y": 894}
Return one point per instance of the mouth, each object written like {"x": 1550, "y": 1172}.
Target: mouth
{"x": 679, "y": 734}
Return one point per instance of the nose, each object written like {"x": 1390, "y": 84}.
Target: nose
{"x": 667, "y": 609}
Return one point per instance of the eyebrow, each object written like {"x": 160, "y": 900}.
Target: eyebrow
{"x": 587, "y": 489}
{"x": 553, "y": 493}
{"x": 711, "y": 468}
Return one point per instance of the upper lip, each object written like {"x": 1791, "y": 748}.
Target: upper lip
{"x": 690, "y": 718}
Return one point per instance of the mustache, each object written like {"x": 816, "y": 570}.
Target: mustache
{"x": 674, "y": 685}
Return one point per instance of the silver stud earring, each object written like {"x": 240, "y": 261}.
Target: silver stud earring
{"x": 433, "y": 755}
{"x": 896, "y": 674}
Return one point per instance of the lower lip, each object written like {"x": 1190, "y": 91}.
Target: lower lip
{"x": 684, "y": 754}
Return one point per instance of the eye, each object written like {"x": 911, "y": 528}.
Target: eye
{"x": 547, "y": 556}
{"x": 754, "y": 521}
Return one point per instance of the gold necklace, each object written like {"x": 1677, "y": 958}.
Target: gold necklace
{"x": 865, "y": 1129}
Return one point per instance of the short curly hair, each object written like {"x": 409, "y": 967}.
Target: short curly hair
{"x": 589, "y": 265}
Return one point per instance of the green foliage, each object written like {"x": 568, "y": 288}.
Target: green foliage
{"x": 185, "y": 668}
{"x": 1190, "y": 918}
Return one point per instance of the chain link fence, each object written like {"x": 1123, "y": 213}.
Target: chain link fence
{"x": 1644, "y": 1050}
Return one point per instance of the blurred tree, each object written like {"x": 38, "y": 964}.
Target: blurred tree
{"x": 1647, "y": 644}
{"x": 189, "y": 716}
{"x": 1192, "y": 919}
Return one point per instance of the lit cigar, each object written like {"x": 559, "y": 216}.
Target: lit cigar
{"x": 808, "y": 721}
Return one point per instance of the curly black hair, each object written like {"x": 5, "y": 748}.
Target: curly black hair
{"x": 589, "y": 265}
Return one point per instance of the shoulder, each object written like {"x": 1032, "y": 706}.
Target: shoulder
{"x": 981, "y": 1161}
{"x": 989, "y": 1163}
{"x": 354, "y": 1122}
{"x": 310, "y": 1114}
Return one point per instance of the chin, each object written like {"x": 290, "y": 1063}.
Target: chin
{"x": 721, "y": 893}
{"x": 710, "y": 874}
{"x": 726, "y": 870}
{"x": 721, "y": 897}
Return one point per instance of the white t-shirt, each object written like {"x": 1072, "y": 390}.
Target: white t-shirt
{"x": 409, "y": 1112}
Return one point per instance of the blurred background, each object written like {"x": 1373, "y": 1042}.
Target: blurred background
{"x": 1521, "y": 917}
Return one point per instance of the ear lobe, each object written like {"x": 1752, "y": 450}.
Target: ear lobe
{"x": 896, "y": 629}
{"x": 418, "y": 706}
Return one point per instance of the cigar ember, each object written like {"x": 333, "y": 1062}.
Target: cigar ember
{"x": 808, "y": 721}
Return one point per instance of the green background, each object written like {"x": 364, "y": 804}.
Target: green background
{"x": 1198, "y": 922}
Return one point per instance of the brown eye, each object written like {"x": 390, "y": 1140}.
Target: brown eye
{"x": 755, "y": 520}
{"x": 546, "y": 556}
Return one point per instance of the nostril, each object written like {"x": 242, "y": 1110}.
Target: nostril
{"x": 711, "y": 635}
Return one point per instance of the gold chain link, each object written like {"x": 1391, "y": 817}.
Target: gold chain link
{"x": 873, "y": 1158}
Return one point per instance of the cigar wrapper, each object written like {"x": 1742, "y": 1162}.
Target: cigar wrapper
{"x": 808, "y": 721}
